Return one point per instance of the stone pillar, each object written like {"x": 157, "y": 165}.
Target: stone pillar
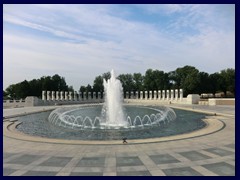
{"x": 84, "y": 96}
{"x": 99, "y": 95}
{"x": 150, "y": 95}
{"x": 127, "y": 94}
{"x": 132, "y": 95}
{"x": 89, "y": 95}
{"x": 163, "y": 95}
{"x": 80, "y": 98}
{"x": 181, "y": 94}
{"x": 176, "y": 94}
{"x": 159, "y": 94}
{"x": 141, "y": 95}
{"x": 53, "y": 95}
{"x": 146, "y": 95}
{"x": 155, "y": 94}
{"x": 62, "y": 95}
{"x": 75, "y": 96}
{"x": 136, "y": 96}
{"x": 70, "y": 96}
{"x": 57, "y": 95}
{"x": 94, "y": 95}
{"x": 43, "y": 95}
{"x": 172, "y": 94}
{"x": 48, "y": 95}
{"x": 66, "y": 96}
{"x": 167, "y": 94}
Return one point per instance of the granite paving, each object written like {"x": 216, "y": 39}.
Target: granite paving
{"x": 207, "y": 155}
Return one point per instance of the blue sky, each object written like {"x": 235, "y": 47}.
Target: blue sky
{"x": 80, "y": 42}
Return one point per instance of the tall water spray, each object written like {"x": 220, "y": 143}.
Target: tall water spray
{"x": 112, "y": 108}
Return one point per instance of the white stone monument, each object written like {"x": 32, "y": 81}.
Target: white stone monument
{"x": 127, "y": 94}
{"x": 89, "y": 95}
{"x": 43, "y": 95}
{"x": 150, "y": 95}
{"x": 167, "y": 94}
{"x": 62, "y": 95}
{"x": 193, "y": 99}
{"x": 66, "y": 96}
{"x": 84, "y": 96}
{"x": 48, "y": 95}
{"x": 163, "y": 94}
{"x": 172, "y": 94}
{"x": 141, "y": 95}
{"x": 75, "y": 96}
{"x": 159, "y": 95}
{"x": 155, "y": 94}
{"x": 57, "y": 95}
{"x": 136, "y": 95}
{"x": 132, "y": 95}
{"x": 80, "y": 96}
{"x": 53, "y": 95}
{"x": 146, "y": 95}
{"x": 176, "y": 94}
{"x": 181, "y": 94}
{"x": 70, "y": 96}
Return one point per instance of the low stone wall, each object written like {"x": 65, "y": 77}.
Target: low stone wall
{"x": 193, "y": 99}
{"x": 221, "y": 101}
{"x": 13, "y": 103}
{"x": 31, "y": 101}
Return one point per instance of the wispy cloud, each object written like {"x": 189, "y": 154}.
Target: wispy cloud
{"x": 83, "y": 41}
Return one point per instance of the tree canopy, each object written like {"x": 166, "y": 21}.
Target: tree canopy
{"x": 36, "y": 86}
{"x": 188, "y": 78}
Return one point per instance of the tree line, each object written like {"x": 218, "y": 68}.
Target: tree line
{"x": 188, "y": 78}
{"x": 35, "y": 87}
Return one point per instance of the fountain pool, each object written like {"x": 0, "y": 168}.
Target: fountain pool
{"x": 112, "y": 120}
{"x": 39, "y": 125}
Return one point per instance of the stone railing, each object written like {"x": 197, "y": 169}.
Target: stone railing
{"x": 164, "y": 95}
{"x": 65, "y": 97}
{"x": 173, "y": 95}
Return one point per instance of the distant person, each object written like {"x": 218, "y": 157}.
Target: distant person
{"x": 124, "y": 140}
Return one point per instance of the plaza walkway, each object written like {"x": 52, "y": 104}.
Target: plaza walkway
{"x": 206, "y": 155}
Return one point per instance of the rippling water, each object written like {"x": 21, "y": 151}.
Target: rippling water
{"x": 38, "y": 125}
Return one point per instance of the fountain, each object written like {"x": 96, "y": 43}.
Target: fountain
{"x": 113, "y": 109}
{"x": 111, "y": 121}
{"x": 113, "y": 114}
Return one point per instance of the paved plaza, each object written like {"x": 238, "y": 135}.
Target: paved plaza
{"x": 211, "y": 154}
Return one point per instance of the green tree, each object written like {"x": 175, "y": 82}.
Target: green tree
{"x": 127, "y": 82}
{"x": 82, "y": 89}
{"x": 70, "y": 88}
{"x": 98, "y": 84}
{"x": 138, "y": 82}
{"x": 11, "y": 91}
{"x": 106, "y": 75}
{"x": 156, "y": 80}
{"x": 149, "y": 81}
{"x": 36, "y": 86}
{"x": 186, "y": 78}
{"x": 215, "y": 82}
{"x": 5, "y": 95}
{"x": 89, "y": 88}
{"x": 204, "y": 83}
{"x": 228, "y": 77}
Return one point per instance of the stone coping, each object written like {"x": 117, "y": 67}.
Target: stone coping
{"x": 213, "y": 125}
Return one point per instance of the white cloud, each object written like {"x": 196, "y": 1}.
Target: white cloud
{"x": 84, "y": 41}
